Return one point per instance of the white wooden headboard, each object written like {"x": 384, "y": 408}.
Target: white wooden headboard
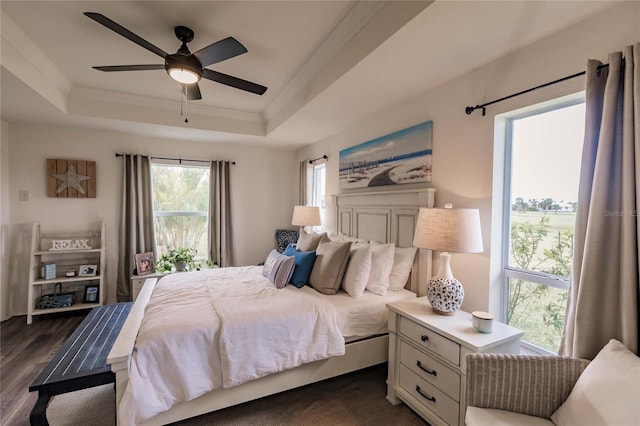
{"x": 387, "y": 217}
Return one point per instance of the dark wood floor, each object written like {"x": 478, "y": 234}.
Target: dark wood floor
{"x": 355, "y": 399}
{"x": 24, "y": 351}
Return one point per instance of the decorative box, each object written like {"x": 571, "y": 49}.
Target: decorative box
{"x": 56, "y": 300}
{"x": 48, "y": 271}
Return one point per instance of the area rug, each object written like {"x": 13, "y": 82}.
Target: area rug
{"x": 93, "y": 406}
{"x": 357, "y": 398}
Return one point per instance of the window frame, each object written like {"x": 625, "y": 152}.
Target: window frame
{"x": 184, "y": 213}
{"x": 315, "y": 192}
{"x": 510, "y": 272}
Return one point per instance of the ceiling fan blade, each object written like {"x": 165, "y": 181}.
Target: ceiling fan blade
{"x": 220, "y": 51}
{"x": 193, "y": 92}
{"x": 236, "y": 82}
{"x": 114, "y": 26}
{"x": 130, "y": 67}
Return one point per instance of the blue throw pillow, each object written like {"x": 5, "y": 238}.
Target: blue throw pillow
{"x": 304, "y": 265}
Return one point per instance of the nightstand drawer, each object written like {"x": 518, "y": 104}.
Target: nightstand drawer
{"x": 431, "y": 370}
{"x": 429, "y": 396}
{"x": 428, "y": 339}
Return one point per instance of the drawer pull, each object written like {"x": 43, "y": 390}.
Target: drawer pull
{"x": 424, "y": 338}
{"x": 427, "y": 397}
{"x": 426, "y": 370}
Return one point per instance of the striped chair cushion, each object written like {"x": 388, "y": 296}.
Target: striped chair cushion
{"x": 525, "y": 384}
{"x": 278, "y": 268}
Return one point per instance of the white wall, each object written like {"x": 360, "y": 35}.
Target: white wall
{"x": 463, "y": 145}
{"x": 263, "y": 192}
{"x": 4, "y": 221}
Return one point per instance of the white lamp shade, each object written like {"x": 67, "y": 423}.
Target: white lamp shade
{"x": 449, "y": 230}
{"x": 306, "y": 216}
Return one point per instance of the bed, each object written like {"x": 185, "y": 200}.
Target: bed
{"x": 381, "y": 216}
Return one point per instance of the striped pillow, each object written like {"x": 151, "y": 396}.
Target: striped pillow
{"x": 278, "y": 268}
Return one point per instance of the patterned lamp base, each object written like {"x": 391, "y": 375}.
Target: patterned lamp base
{"x": 445, "y": 295}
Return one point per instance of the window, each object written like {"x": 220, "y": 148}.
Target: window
{"x": 181, "y": 207}
{"x": 318, "y": 191}
{"x": 544, "y": 149}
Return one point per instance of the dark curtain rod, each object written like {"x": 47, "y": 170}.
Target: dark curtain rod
{"x": 483, "y": 107}
{"x": 319, "y": 158}
{"x": 180, "y": 160}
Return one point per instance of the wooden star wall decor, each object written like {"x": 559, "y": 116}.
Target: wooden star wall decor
{"x": 71, "y": 178}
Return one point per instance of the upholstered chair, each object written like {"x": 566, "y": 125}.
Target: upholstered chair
{"x": 526, "y": 389}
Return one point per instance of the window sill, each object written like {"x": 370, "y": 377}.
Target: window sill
{"x": 527, "y": 348}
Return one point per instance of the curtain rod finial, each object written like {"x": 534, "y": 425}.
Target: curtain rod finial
{"x": 469, "y": 110}
{"x": 319, "y": 158}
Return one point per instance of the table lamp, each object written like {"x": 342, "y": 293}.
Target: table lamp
{"x": 447, "y": 230}
{"x": 306, "y": 216}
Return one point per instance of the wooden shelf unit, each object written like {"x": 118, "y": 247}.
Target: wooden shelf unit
{"x": 67, "y": 259}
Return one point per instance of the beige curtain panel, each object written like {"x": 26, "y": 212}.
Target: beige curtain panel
{"x": 220, "y": 231}
{"x": 603, "y": 297}
{"x": 136, "y": 220}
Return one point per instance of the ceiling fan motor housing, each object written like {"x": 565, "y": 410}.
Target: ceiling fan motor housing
{"x": 189, "y": 63}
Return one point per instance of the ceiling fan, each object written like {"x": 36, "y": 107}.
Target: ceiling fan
{"x": 183, "y": 66}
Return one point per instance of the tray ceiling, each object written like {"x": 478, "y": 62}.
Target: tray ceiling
{"x": 327, "y": 64}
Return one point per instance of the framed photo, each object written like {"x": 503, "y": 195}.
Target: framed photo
{"x": 145, "y": 263}
{"x": 91, "y": 294}
{"x": 87, "y": 270}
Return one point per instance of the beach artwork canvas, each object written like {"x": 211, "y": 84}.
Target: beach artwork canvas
{"x": 398, "y": 158}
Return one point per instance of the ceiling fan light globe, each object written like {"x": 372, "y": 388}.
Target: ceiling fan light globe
{"x": 183, "y": 76}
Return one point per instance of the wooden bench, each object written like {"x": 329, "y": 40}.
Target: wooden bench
{"x": 81, "y": 362}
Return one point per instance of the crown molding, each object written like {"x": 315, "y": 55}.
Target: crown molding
{"x": 21, "y": 57}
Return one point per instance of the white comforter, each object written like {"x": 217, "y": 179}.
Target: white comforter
{"x": 220, "y": 328}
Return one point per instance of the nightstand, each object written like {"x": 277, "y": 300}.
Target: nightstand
{"x": 137, "y": 281}
{"x": 427, "y": 354}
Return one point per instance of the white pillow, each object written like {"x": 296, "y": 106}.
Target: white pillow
{"x": 333, "y": 237}
{"x": 402, "y": 264}
{"x": 381, "y": 264}
{"x": 345, "y": 238}
{"x": 358, "y": 270}
{"x": 606, "y": 393}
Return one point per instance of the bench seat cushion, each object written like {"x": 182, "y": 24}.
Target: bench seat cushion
{"x": 489, "y": 417}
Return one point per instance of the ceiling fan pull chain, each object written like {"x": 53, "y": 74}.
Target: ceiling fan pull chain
{"x": 183, "y": 97}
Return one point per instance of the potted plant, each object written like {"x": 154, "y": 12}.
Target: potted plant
{"x": 181, "y": 259}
